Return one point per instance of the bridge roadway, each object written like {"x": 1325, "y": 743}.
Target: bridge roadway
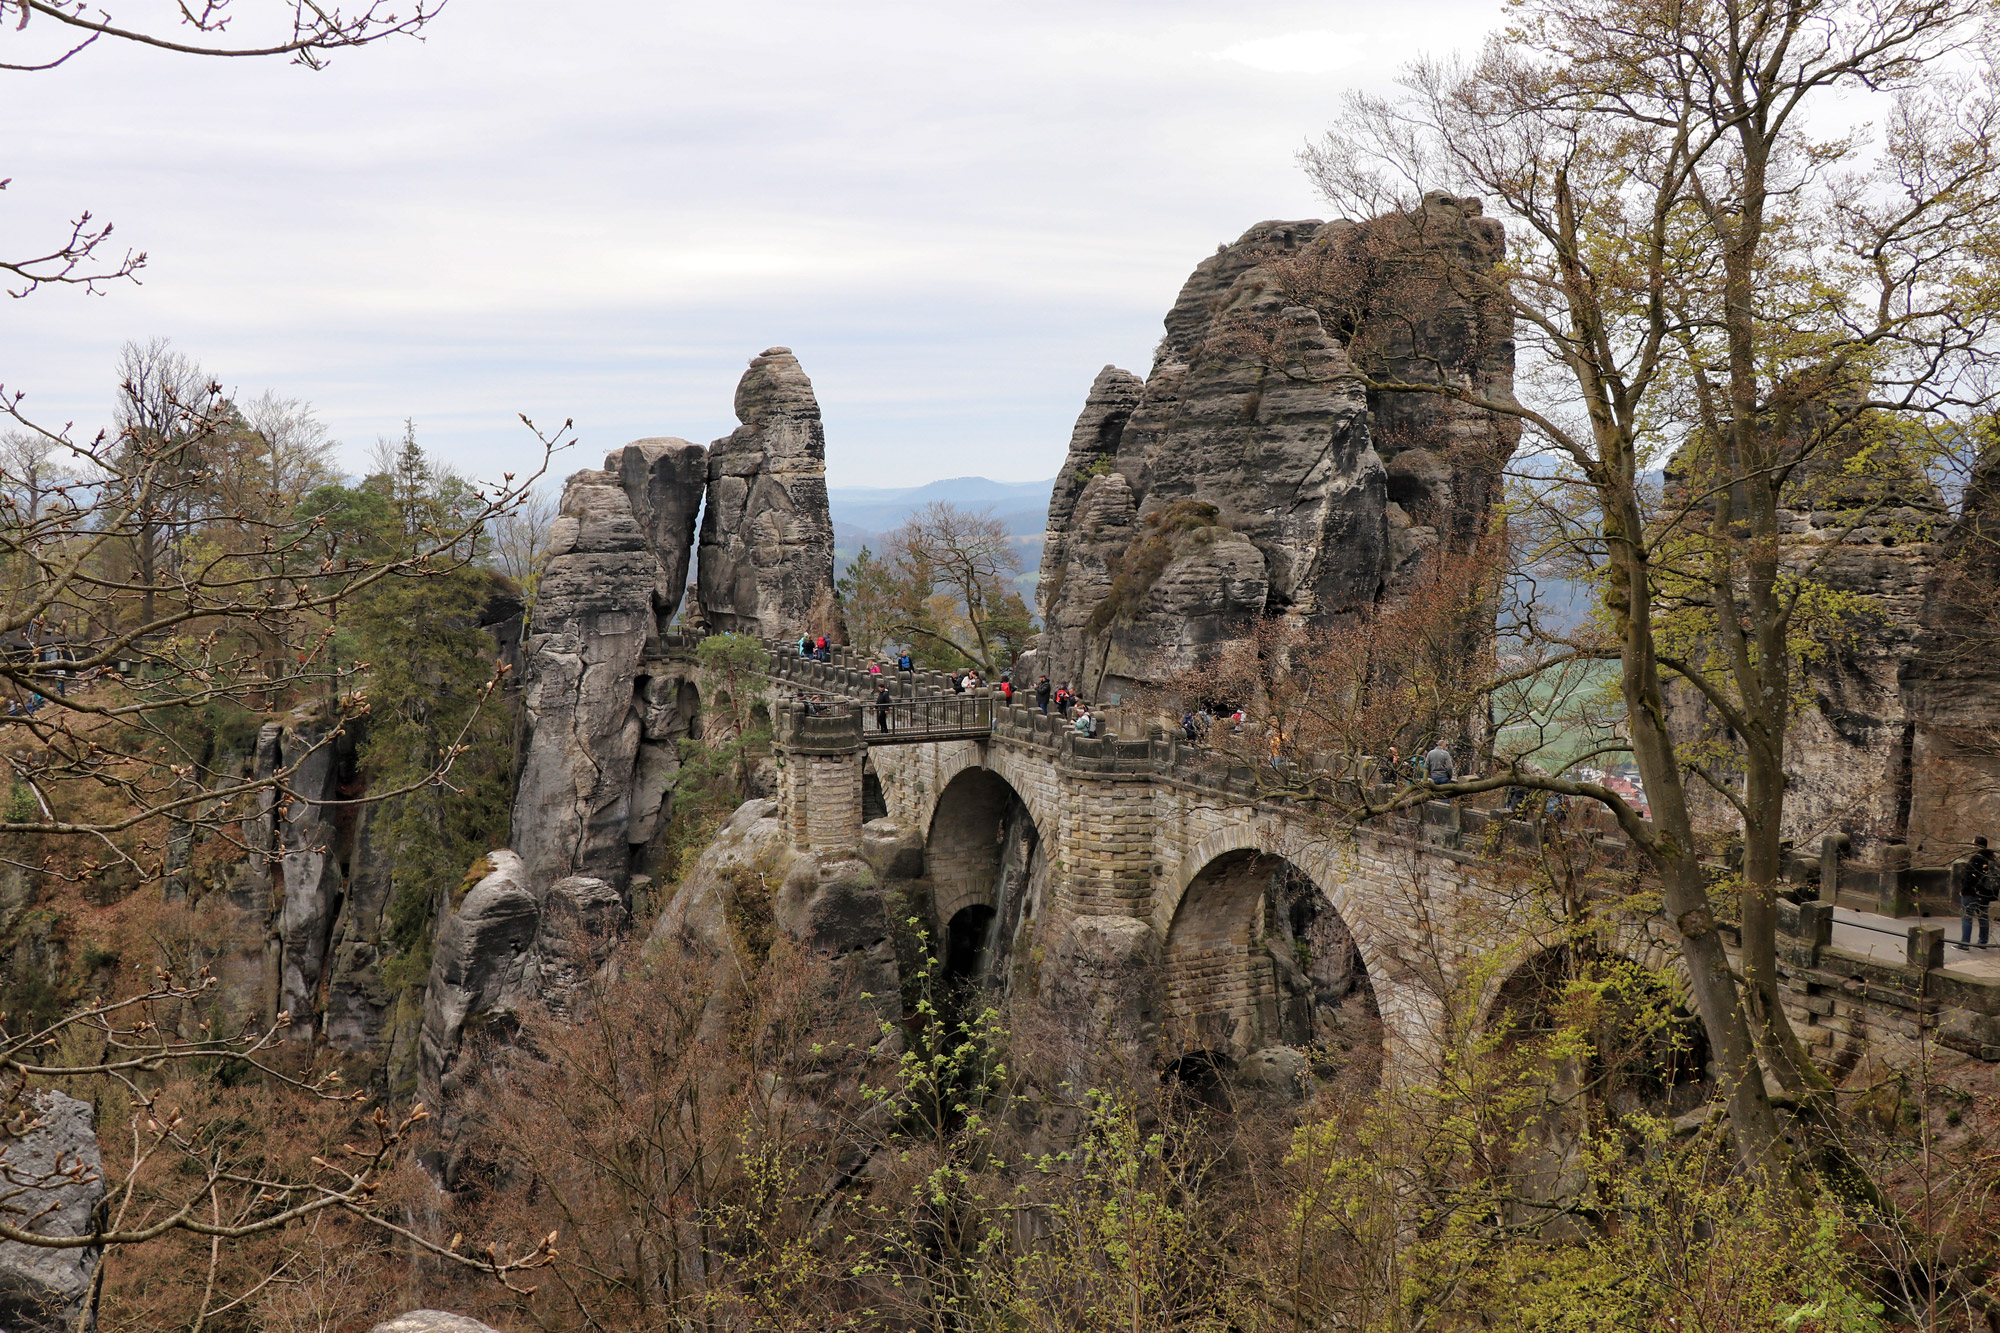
{"x": 1156, "y": 900}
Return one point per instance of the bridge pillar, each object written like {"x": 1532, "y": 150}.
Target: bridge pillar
{"x": 819, "y": 794}
{"x": 1110, "y": 841}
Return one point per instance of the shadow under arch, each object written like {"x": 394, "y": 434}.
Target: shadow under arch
{"x": 1646, "y": 1049}
{"x": 1258, "y": 956}
{"x": 985, "y": 862}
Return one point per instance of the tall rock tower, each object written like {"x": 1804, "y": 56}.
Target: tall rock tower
{"x": 1254, "y": 474}
{"x": 766, "y": 561}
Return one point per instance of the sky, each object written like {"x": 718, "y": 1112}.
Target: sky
{"x": 954, "y": 214}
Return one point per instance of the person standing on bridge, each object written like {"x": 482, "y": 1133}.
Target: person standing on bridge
{"x": 882, "y": 700}
{"x": 1042, "y": 695}
{"x": 1438, "y": 766}
{"x": 904, "y": 663}
{"x": 1976, "y": 892}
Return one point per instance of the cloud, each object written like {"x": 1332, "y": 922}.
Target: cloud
{"x": 1313, "y": 51}
{"x": 955, "y": 215}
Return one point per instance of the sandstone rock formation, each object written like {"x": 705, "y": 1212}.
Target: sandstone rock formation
{"x": 432, "y": 1321}
{"x": 766, "y": 536}
{"x": 299, "y": 840}
{"x": 750, "y": 882}
{"x": 1857, "y": 750}
{"x": 603, "y": 709}
{"x": 1948, "y": 760}
{"x": 507, "y": 944}
{"x": 1255, "y": 474}
{"x": 55, "y": 1186}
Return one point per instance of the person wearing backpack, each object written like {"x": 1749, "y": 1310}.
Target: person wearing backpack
{"x": 1977, "y": 890}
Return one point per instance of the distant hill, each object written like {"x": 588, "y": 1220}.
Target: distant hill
{"x": 1022, "y": 505}
{"x": 862, "y": 514}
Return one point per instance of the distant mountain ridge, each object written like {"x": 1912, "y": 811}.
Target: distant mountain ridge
{"x": 1022, "y": 506}
{"x": 862, "y": 514}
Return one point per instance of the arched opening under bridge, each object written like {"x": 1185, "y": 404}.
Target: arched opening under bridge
{"x": 1258, "y": 957}
{"x": 984, "y": 860}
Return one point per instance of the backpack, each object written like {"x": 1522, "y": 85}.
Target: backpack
{"x": 1982, "y": 877}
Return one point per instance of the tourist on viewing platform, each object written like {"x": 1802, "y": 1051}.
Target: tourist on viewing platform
{"x": 904, "y": 663}
{"x": 1007, "y": 691}
{"x": 823, "y": 650}
{"x": 1042, "y": 694}
{"x": 1978, "y": 886}
{"x": 1190, "y": 728}
{"x": 957, "y": 683}
{"x": 1065, "y": 700}
{"x": 1438, "y": 766}
{"x": 1086, "y": 725}
{"x": 1392, "y": 767}
{"x": 805, "y": 646}
{"x": 882, "y": 707}
{"x": 874, "y": 668}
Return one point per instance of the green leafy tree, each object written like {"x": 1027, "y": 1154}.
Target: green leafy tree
{"x": 871, "y": 600}
{"x": 1705, "y": 259}
{"x": 433, "y": 719}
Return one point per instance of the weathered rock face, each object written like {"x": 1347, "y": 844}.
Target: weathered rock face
{"x": 1872, "y": 536}
{"x": 766, "y": 536}
{"x": 1244, "y": 480}
{"x": 603, "y": 706}
{"x": 301, "y": 924}
{"x": 663, "y": 480}
{"x": 55, "y": 1185}
{"x": 432, "y": 1321}
{"x": 1947, "y": 764}
{"x": 300, "y": 842}
{"x": 509, "y": 944}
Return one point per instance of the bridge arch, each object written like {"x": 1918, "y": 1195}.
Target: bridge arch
{"x": 1647, "y": 1047}
{"x": 985, "y": 859}
{"x": 1257, "y": 952}
{"x": 919, "y": 787}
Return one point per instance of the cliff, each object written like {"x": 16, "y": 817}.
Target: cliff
{"x": 1254, "y": 473}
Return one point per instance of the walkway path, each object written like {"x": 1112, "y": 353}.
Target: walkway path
{"x": 1885, "y": 939}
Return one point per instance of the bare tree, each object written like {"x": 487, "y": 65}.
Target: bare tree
{"x": 521, "y": 541}
{"x": 298, "y": 450}
{"x": 954, "y": 572}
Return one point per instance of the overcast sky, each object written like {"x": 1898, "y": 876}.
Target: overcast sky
{"x": 954, "y": 214}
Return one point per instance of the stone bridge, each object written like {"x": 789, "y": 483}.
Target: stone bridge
{"x": 1147, "y": 895}
{"x": 1143, "y": 878}
{"x": 1147, "y": 892}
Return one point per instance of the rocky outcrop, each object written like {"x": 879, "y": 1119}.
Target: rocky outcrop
{"x": 766, "y": 536}
{"x": 508, "y": 944}
{"x": 1949, "y": 760}
{"x": 750, "y": 883}
{"x": 603, "y": 706}
{"x": 432, "y": 1321}
{"x": 1864, "y": 525}
{"x": 1247, "y": 478}
{"x": 55, "y": 1187}
{"x": 297, "y": 862}
{"x": 663, "y": 480}
{"x": 1093, "y": 446}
